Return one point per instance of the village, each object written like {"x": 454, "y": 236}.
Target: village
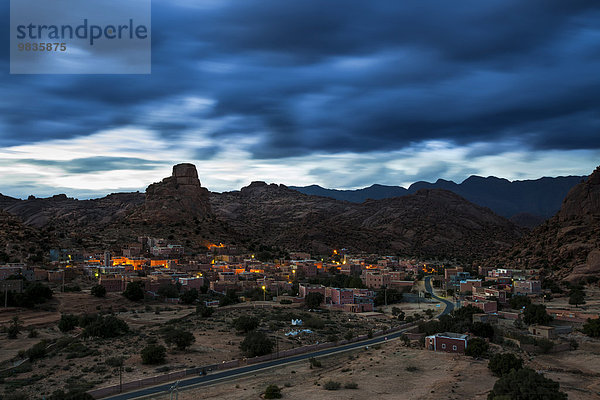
{"x": 298, "y": 301}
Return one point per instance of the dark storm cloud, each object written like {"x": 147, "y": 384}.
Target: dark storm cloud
{"x": 344, "y": 75}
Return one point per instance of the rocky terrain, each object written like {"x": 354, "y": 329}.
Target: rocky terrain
{"x": 567, "y": 245}
{"x": 430, "y": 222}
{"x": 19, "y": 242}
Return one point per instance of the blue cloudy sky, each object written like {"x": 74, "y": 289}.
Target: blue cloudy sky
{"x": 341, "y": 93}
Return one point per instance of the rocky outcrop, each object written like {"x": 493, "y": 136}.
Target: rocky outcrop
{"x": 180, "y": 195}
{"x": 430, "y": 222}
{"x": 568, "y": 245}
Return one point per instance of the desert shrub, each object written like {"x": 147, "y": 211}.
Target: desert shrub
{"x": 134, "y": 291}
{"x": 481, "y": 329}
{"x": 526, "y": 384}
{"x": 180, "y": 338}
{"x": 246, "y": 323}
{"x": 67, "y": 322}
{"x": 153, "y": 354}
{"x": 592, "y": 327}
{"x": 476, "y": 347}
{"x": 106, "y": 327}
{"x": 502, "y": 364}
{"x": 314, "y": 300}
{"x": 204, "y": 311}
{"x": 98, "y": 291}
{"x": 37, "y": 351}
{"x": 189, "y": 296}
{"x": 351, "y": 385}
{"x": 256, "y": 344}
{"x": 412, "y": 368}
{"x": 518, "y": 302}
{"x": 332, "y": 385}
{"x": 314, "y": 362}
{"x": 273, "y": 392}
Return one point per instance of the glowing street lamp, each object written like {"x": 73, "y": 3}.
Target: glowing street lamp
{"x": 264, "y": 288}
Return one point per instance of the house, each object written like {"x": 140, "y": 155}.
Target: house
{"x": 486, "y": 306}
{"x": 448, "y": 342}
{"x": 525, "y": 287}
{"x": 305, "y": 289}
{"x": 485, "y": 318}
{"x": 112, "y": 284}
{"x": 546, "y": 332}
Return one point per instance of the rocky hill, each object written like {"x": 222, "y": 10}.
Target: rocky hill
{"x": 430, "y": 222}
{"x": 527, "y": 202}
{"x": 22, "y": 243}
{"x": 567, "y": 245}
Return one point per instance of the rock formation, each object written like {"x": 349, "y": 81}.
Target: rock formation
{"x": 567, "y": 245}
{"x": 177, "y": 196}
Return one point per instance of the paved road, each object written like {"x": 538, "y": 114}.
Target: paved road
{"x": 429, "y": 289}
{"x": 234, "y": 373}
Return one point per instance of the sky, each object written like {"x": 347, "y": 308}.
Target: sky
{"x": 340, "y": 93}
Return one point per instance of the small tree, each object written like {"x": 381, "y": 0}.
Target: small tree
{"x": 256, "y": 344}
{"x": 134, "y": 291}
{"x": 189, "y": 296}
{"x": 314, "y": 300}
{"x": 577, "y": 297}
{"x": 592, "y": 327}
{"x": 536, "y": 314}
{"x": 502, "y": 364}
{"x": 405, "y": 340}
{"x": 246, "y": 323}
{"x": 349, "y": 335}
{"x": 544, "y": 345}
{"x": 526, "y": 384}
{"x": 153, "y": 354}
{"x": 518, "y": 302}
{"x": 180, "y": 338}
{"x": 168, "y": 291}
{"x": 204, "y": 311}
{"x": 106, "y": 327}
{"x": 273, "y": 392}
{"x": 67, "y": 322}
{"x": 98, "y": 291}
{"x": 481, "y": 329}
{"x": 15, "y": 328}
{"x": 476, "y": 347}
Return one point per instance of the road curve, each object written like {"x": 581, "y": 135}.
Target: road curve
{"x": 429, "y": 289}
{"x": 237, "y": 372}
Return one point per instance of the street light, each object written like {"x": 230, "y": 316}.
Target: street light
{"x": 264, "y": 288}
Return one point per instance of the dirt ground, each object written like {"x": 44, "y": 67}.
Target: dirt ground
{"x": 390, "y": 371}
{"x": 83, "y": 360}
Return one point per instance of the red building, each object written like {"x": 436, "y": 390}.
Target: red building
{"x": 487, "y": 306}
{"x": 447, "y": 342}
{"x": 305, "y": 289}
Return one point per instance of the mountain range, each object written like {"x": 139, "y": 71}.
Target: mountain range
{"x": 527, "y": 203}
{"x": 430, "y": 222}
